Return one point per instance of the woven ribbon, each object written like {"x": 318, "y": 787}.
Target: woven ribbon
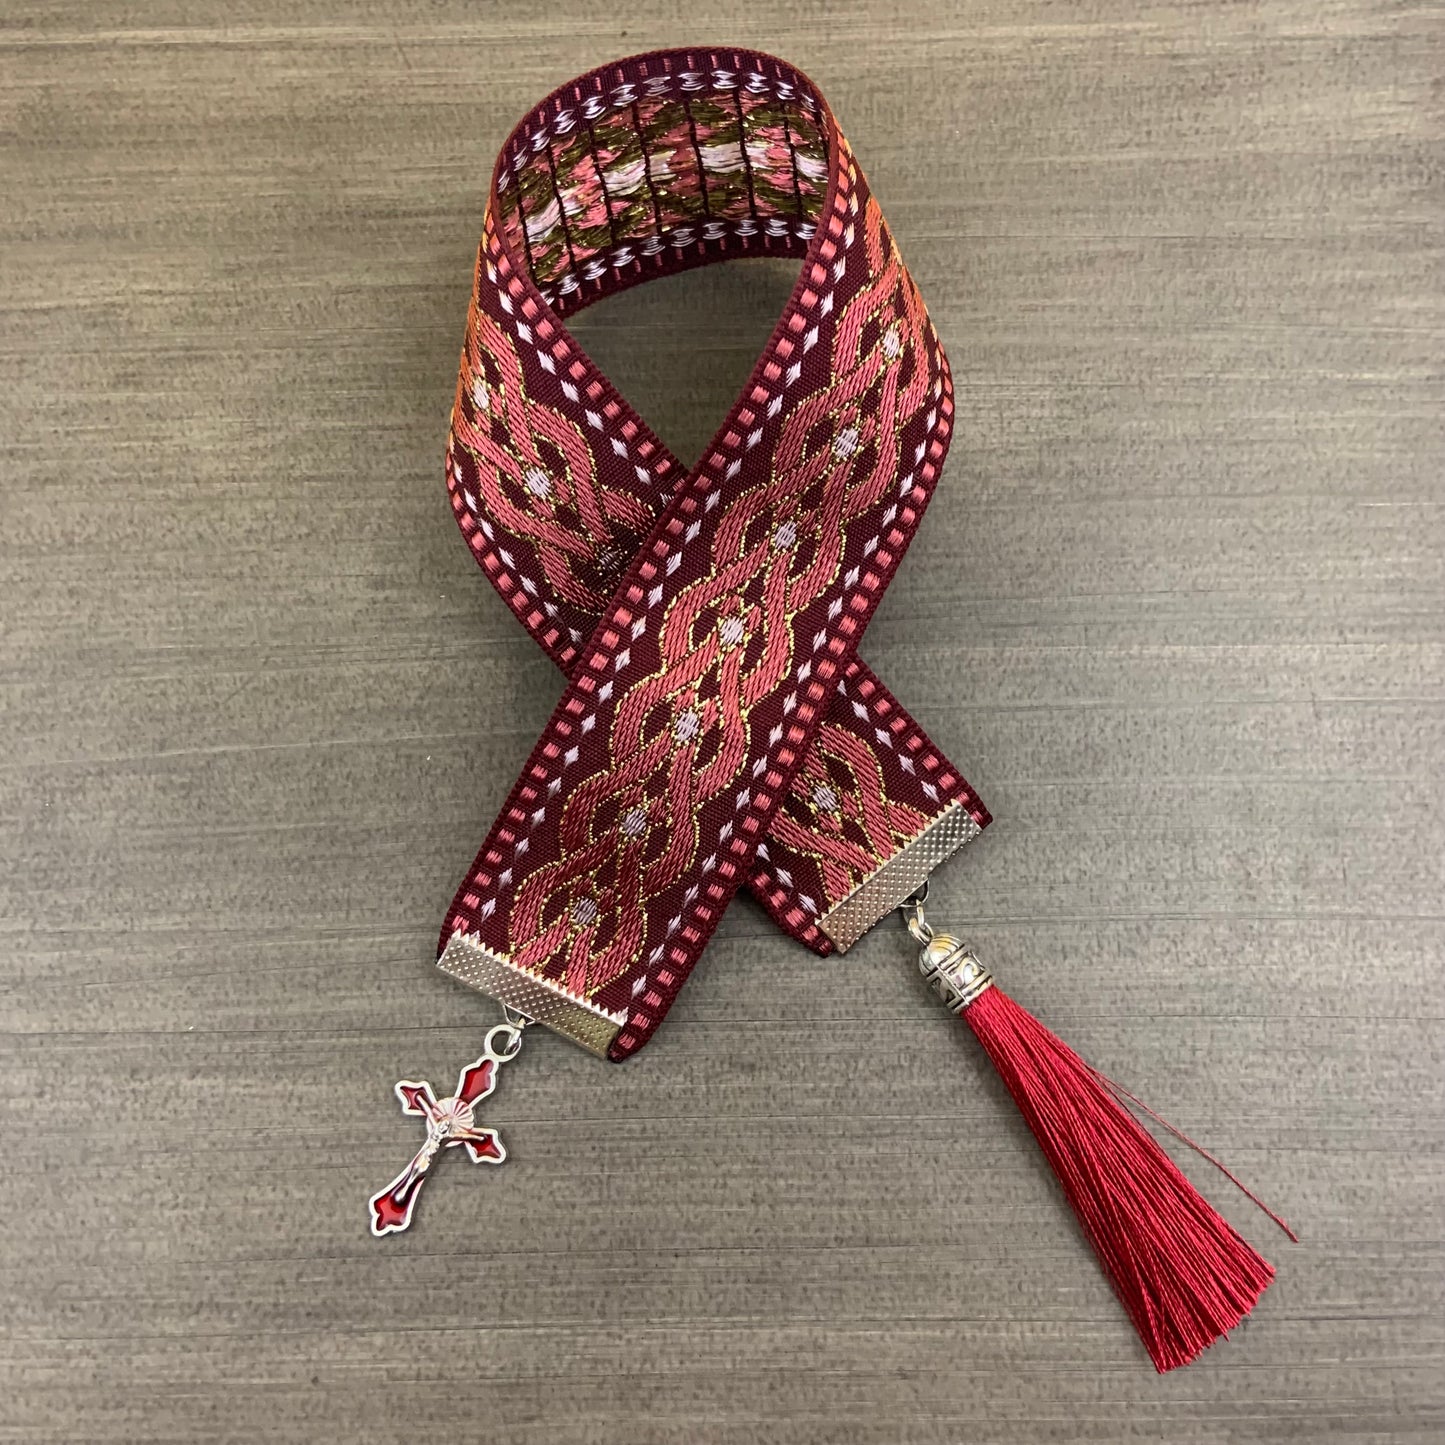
{"x": 717, "y": 729}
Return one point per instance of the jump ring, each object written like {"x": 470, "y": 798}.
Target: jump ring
{"x": 510, "y": 1049}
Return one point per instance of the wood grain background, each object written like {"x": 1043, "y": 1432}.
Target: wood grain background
{"x": 1177, "y": 609}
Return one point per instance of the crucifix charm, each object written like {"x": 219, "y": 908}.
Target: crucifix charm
{"x": 449, "y": 1122}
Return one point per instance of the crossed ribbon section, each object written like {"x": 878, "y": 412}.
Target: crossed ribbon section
{"x": 717, "y": 729}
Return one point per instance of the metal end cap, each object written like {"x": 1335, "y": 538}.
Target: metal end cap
{"x": 952, "y": 971}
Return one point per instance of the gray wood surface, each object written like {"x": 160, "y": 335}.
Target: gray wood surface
{"x": 1177, "y": 609}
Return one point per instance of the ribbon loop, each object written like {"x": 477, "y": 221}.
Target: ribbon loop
{"x": 717, "y": 729}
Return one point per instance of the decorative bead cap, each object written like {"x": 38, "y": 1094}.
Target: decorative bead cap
{"x": 953, "y": 972}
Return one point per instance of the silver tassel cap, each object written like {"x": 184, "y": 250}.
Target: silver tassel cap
{"x": 952, "y": 970}
{"x": 949, "y": 967}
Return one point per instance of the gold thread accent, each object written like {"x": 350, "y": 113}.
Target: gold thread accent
{"x": 899, "y": 876}
{"x": 468, "y": 960}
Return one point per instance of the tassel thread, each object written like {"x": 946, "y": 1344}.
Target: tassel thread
{"x": 1182, "y": 1272}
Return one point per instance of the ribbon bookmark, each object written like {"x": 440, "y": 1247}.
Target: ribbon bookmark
{"x": 717, "y": 730}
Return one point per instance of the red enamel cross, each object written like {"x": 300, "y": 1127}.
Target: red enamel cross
{"x": 449, "y": 1122}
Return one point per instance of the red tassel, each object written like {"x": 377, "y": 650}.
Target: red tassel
{"x": 1179, "y": 1268}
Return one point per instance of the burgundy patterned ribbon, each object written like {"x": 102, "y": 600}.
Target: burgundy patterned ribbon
{"x": 717, "y": 729}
